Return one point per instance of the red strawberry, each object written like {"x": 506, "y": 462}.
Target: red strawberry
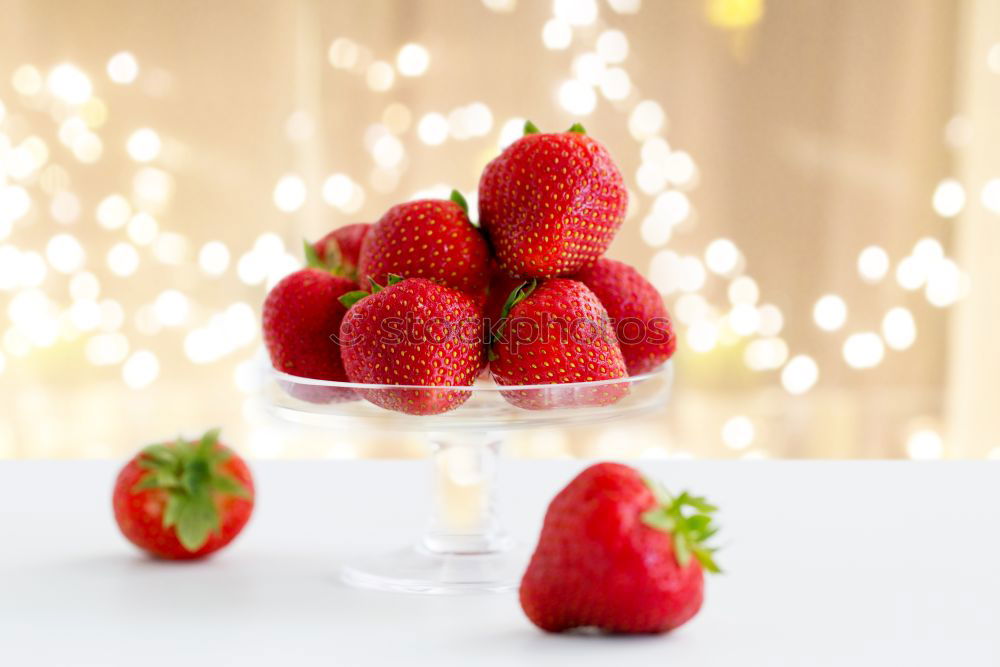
{"x": 413, "y": 332}
{"x": 340, "y": 250}
{"x": 302, "y": 316}
{"x": 184, "y": 499}
{"x": 618, "y": 555}
{"x": 551, "y": 203}
{"x": 642, "y": 323}
{"x": 429, "y": 238}
{"x": 556, "y": 333}
{"x": 501, "y": 285}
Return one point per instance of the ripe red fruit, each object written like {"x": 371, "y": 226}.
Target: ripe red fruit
{"x": 185, "y": 499}
{"x": 618, "y": 554}
{"x": 301, "y": 320}
{"x": 413, "y": 332}
{"x": 340, "y": 250}
{"x": 642, "y": 323}
{"x": 557, "y": 333}
{"x": 551, "y": 203}
{"x": 429, "y": 238}
{"x": 501, "y": 285}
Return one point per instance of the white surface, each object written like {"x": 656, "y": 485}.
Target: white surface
{"x": 827, "y": 564}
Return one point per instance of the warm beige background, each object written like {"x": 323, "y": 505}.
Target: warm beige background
{"x": 817, "y": 129}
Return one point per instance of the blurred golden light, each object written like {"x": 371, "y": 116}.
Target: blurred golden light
{"x": 615, "y": 83}
{"x": 473, "y": 120}
{"x": 873, "y": 264}
{"x": 85, "y": 314}
{"x": 863, "y": 350}
{"x": 87, "y": 148}
{"x": 15, "y": 203}
{"x": 113, "y": 211}
{"x": 958, "y": 131}
{"x": 702, "y": 336}
{"x": 123, "y": 68}
{"x": 925, "y": 444}
{"x": 765, "y": 354}
{"x": 734, "y": 14}
{"x": 71, "y": 128}
{"x": 84, "y": 286}
{"x": 691, "y": 308}
{"x": 64, "y": 253}
{"x": 744, "y": 319}
{"x": 771, "y": 320}
{"x": 106, "y": 349}
{"x": 743, "y": 290}
{"x": 412, "y": 60}
{"x": 94, "y": 112}
{"x": 588, "y": 67}
{"x": 944, "y": 283}
{"x": 65, "y": 207}
{"x": 577, "y": 97}
{"x": 949, "y": 198}
{"x": 650, "y": 178}
{"x": 691, "y": 274}
{"x": 646, "y": 119}
{"x": 575, "y": 12}
{"x": 380, "y": 76}
{"x": 300, "y": 126}
{"x": 69, "y": 84}
{"x": 343, "y": 53}
{"x": 511, "y": 131}
{"x": 27, "y": 80}
{"x": 612, "y": 46}
{"x": 289, "y": 193}
{"x": 144, "y": 145}
{"x": 388, "y": 151}
{"x": 3, "y": 111}
{"x": 910, "y": 273}
{"x": 3, "y": 362}
{"x": 337, "y": 190}
{"x": 123, "y": 259}
{"x": 556, "y": 34}
{"x": 656, "y": 229}
{"x": 170, "y": 248}
{"x": 171, "y": 308}
{"x": 993, "y": 58}
{"x": 500, "y": 5}
{"x": 738, "y": 432}
{"x": 830, "y": 312}
{"x": 721, "y": 256}
{"x": 142, "y": 228}
{"x": 899, "y": 328}
{"x": 141, "y": 369}
{"x": 433, "y": 129}
{"x": 384, "y": 180}
{"x": 799, "y": 374}
{"x": 625, "y": 6}
{"x": 991, "y": 195}
{"x": 397, "y": 118}
{"x": 15, "y": 342}
{"x": 152, "y": 187}
{"x": 112, "y": 315}
{"x": 213, "y": 258}
{"x": 674, "y": 205}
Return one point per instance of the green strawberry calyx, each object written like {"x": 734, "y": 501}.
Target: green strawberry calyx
{"x": 516, "y": 296}
{"x": 350, "y": 298}
{"x": 190, "y": 473}
{"x": 334, "y": 260}
{"x": 688, "y": 520}
{"x": 531, "y": 128}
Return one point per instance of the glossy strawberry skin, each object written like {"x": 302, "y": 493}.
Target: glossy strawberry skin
{"x": 551, "y": 204}
{"x": 302, "y": 316}
{"x": 597, "y": 564}
{"x": 559, "y": 334}
{"x": 429, "y": 238}
{"x": 341, "y": 248}
{"x": 140, "y": 513}
{"x": 642, "y": 323}
{"x": 415, "y": 332}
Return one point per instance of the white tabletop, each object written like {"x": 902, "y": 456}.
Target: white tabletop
{"x": 827, "y": 564}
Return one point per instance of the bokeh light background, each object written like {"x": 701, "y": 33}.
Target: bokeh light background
{"x": 815, "y": 190}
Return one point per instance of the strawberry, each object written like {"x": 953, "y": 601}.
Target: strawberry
{"x": 642, "y": 324}
{"x": 618, "y": 554}
{"x": 429, "y": 238}
{"x": 551, "y": 203}
{"x": 554, "y": 333}
{"x": 302, "y": 316}
{"x": 339, "y": 250}
{"x": 184, "y": 499}
{"x": 412, "y": 332}
{"x": 501, "y": 286}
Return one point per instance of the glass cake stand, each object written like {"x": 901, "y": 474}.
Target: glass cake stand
{"x": 464, "y": 548}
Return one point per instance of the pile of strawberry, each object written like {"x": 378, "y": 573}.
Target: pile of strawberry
{"x": 425, "y": 298}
